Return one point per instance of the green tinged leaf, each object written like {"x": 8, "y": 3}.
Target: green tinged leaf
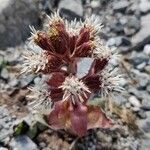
{"x": 3, "y": 63}
{"x": 97, "y": 102}
{"x": 32, "y": 132}
{"x": 21, "y": 128}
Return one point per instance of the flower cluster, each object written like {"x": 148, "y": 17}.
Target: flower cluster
{"x": 68, "y": 90}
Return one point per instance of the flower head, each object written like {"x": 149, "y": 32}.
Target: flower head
{"x": 54, "y": 18}
{"x": 34, "y": 62}
{"x": 34, "y": 35}
{"x": 111, "y": 82}
{"x": 74, "y": 89}
{"x": 94, "y": 24}
{"x": 69, "y": 87}
{"x": 39, "y": 97}
{"x": 73, "y": 27}
{"x": 102, "y": 52}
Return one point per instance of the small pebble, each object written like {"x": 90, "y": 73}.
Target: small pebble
{"x": 134, "y": 101}
{"x": 42, "y": 144}
{"x": 136, "y": 109}
{"x": 146, "y": 108}
{"x": 142, "y": 114}
{"x": 95, "y": 4}
{"x": 148, "y": 88}
{"x": 3, "y": 148}
{"x": 128, "y": 105}
{"x": 4, "y": 73}
{"x": 147, "y": 68}
{"x": 141, "y": 66}
{"x": 147, "y": 49}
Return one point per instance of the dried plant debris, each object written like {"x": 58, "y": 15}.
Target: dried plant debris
{"x": 126, "y": 115}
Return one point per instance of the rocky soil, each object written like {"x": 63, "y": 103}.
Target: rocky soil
{"x": 126, "y": 27}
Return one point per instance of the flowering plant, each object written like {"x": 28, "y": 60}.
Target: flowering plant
{"x": 64, "y": 95}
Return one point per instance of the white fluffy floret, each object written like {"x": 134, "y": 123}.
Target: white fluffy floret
{"x": 54, "y": 17}
{"x": 40, "y": 99}
{"x": 73, "y": 27}
{"x": 74, "y": 89}
{"x": 110, "y": 82}
{"x": 34, "y": 62}
{"x": 94, "y": 24}
{"x": 34, "y": 34}
{"x": 104, "y": 52}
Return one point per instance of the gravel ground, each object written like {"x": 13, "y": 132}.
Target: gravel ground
{"x": 126, "y": 27}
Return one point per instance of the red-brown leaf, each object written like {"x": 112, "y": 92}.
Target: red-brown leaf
{"x": 56, "y": 79}
{"x": 97, "y": 118}
{"x": 98, "y": 65}
{"x": 84, "y": 36}
{"x": 56, "y": 94}
{"x": 93, "y": 82}
{"x": 83, "y": 50}
{"x": 78, "y": 116}
{"x": 59, "y": 116}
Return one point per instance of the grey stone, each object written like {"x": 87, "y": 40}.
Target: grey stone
{"x": 128, "y": 105}
{"x": 3, "y": 148}
{"x": 3, "y": 111}
{"x": 134, "y": 101}
{"x": 146, "y": 108}
{"x": 15, "y": 18}
{"x": 42, "y": 144}
{"x": 133, "y": 22}
{"x": 1, "y": 126}
{"x": 121, "y": 6}
{"x": 12, "y": 55}
{"x": 83, "y": 67}
{"x": 13, "y": 82}
{"x": 114, "y": 42}
{"x": 143, "y": 79}
{"x": 4, "y": 74}
{"x": 117, "y": 27}
{"x": 95, "y": 4}
{"x": 123, "y": 82}
{"x": 119, "y": 100}
{"x": 138, "y": 58}
{"x": 145, "y": 124}
{"x": 6, "y": 123}
{"x": 132, "y": 26}
{"x": 144, "y": 6}
{"x": 141, "y": 66}
{"x": 125, "y": 41}
{"x": 128, "y": 143}
{"x": 147, "y": 69}
{"x": 136, "y": 109}
{"x": 119, "y": 41}
{"x": 25, "y": 80}
{"x": 145, "y": 143}
{"x": 148, "y": 88}
{"x": 48, "y": 5}
{"x": 129, "y": 31}
{"x": 123, "y": 20}
{"x": 23, "y": 142}
{"x": 142, "y": 114}
{"x": 114, "y": 63}
{"x": 134, "y": 91}
{"x": 146, "y": 127}
{"x": 133, "y": 8}
{"x": 147, "y": 49}
{"x": 146, "y": 98}
{"x": 71, "y": 10}
{"x": 143, "y": 36}
{"x": 37, "y": 80}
